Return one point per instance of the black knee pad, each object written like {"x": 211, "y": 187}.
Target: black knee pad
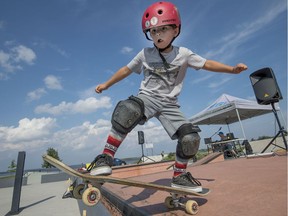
{"x": 188, "y": 146}
{"x": 188, "y": 141}
{"x": 127, "y": 114}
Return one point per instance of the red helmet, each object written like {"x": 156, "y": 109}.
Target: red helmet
{"x": 159, "y": 14}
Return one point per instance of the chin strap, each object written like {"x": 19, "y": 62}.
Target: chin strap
{"x": 166, "y": 65}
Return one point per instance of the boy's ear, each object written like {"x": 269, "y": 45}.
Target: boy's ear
{"x": 176, "y": 31}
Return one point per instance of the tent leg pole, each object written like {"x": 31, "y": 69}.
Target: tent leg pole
{"x": 241, "y": 124}
{"x": 228, "y": 127}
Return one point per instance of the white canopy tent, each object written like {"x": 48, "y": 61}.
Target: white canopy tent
{"x": 228, "y": 109}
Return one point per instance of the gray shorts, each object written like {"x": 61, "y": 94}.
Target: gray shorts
{"x": 167, "y": 113}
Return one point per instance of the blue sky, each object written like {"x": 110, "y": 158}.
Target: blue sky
{"x": 53, "y": 54}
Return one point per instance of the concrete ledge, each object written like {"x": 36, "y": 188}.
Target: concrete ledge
{"x": 9, "y": 181}
{"x": 54, "y": 177}
{"x": 118, "y": 206}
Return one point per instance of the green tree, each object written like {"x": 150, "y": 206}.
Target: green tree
{"x": 53, "y": 153}
{"x": 12, "y": 167}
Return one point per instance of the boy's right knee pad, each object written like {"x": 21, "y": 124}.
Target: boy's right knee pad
{"x": 127, "y": 114}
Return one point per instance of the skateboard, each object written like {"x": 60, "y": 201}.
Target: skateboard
{"x": 89, "y": 190}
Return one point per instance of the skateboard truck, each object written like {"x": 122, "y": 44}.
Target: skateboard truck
{"x": 69, "y": 192}
{"x": 89, "y": 194}
{"x": 176, "y": 201}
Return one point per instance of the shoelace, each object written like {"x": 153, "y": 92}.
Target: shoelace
{"x": 192, "y": 179}
{"x": 92, "y": 164}
{"x": 99, "y": 159}
{"x": 95, "y": 161}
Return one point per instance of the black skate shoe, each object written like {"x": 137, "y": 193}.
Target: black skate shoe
{"x": 101, "y": 165}
{"x": 187, "y": 182}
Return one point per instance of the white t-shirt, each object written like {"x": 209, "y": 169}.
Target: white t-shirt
{"x": 160, "y": 82}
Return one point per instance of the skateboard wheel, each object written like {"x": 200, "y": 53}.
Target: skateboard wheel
{"x": 91, "y": 196}
{"x": 192, "y": 207}
{"x": 78, "y": 190}
{"x": 169, "y": 202}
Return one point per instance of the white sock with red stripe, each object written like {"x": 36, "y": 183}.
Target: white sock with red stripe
{"x": 180, "y": 166}
{"x": 114, "y": 140}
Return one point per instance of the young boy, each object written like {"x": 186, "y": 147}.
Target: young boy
{"x": 164, "y": 67}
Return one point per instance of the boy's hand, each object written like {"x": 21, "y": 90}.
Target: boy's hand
{"x": 239, "y": 68}
{"x": 100, "y": 88}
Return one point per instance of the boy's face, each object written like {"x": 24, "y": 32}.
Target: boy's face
{"x": 163, "y": 35}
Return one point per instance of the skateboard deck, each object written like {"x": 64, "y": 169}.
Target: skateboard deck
{"x": 93, "y": 194}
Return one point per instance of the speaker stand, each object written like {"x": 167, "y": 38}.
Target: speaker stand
{"x": 143, "y": 157}
{"x": 281, "y": 131}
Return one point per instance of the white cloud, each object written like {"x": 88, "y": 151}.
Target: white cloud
{"x": 88, "y": 105}
{"x": 219, "y": 82}
{"x": 28, "y": 133}
{"x": 36, "y": 135}
{"x": 13, "y": 60}
{"x": 23, "y": 54}
{"x": 93, "y": 136}
{"x": 3, "y": 76}
{"x": 59, "y": 50}
{"x": 126, "y": 50}
{"x": 4, "y": 61}
{"x": 204, "y": 78}
{"x": 229, "y": 43}
{"x": 84, "y": 136}
{"x": 215, "y": 81}
{"x": 232, "y": 41}
{"x": 90, "y": 92}
{"x": 53, "y": 82}
{"x": 36, "y": 94}
{"x": 45, "y": 44}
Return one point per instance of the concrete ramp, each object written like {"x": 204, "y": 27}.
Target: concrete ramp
{"x": 239, "y": 187}
{"x": 210, "y": 158}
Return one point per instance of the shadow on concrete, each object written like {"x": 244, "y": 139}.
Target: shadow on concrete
{"x": 160, "y": 207}
{"x": 98, "y": 209}
{"x": 28, "y": 206}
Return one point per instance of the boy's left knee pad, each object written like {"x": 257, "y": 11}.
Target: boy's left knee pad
{"x": 188, "y": 141}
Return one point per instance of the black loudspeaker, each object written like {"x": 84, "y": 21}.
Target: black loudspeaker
{"x": 141, "y": 137}
{"x": 265, "y": 86}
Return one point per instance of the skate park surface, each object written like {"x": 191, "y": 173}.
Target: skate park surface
{"x": 244, "y": 186}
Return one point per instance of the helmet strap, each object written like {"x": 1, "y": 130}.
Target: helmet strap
{"x": 166, "y": 65}
{"x": 147, "y": 37}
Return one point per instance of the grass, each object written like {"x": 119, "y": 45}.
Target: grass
{"x": 200, "y": 154}
{"x": 7, "y": 177}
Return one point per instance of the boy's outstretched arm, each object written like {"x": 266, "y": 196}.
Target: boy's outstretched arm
{"x": 215, "y": 66}
{"x": 118, "y": 76}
